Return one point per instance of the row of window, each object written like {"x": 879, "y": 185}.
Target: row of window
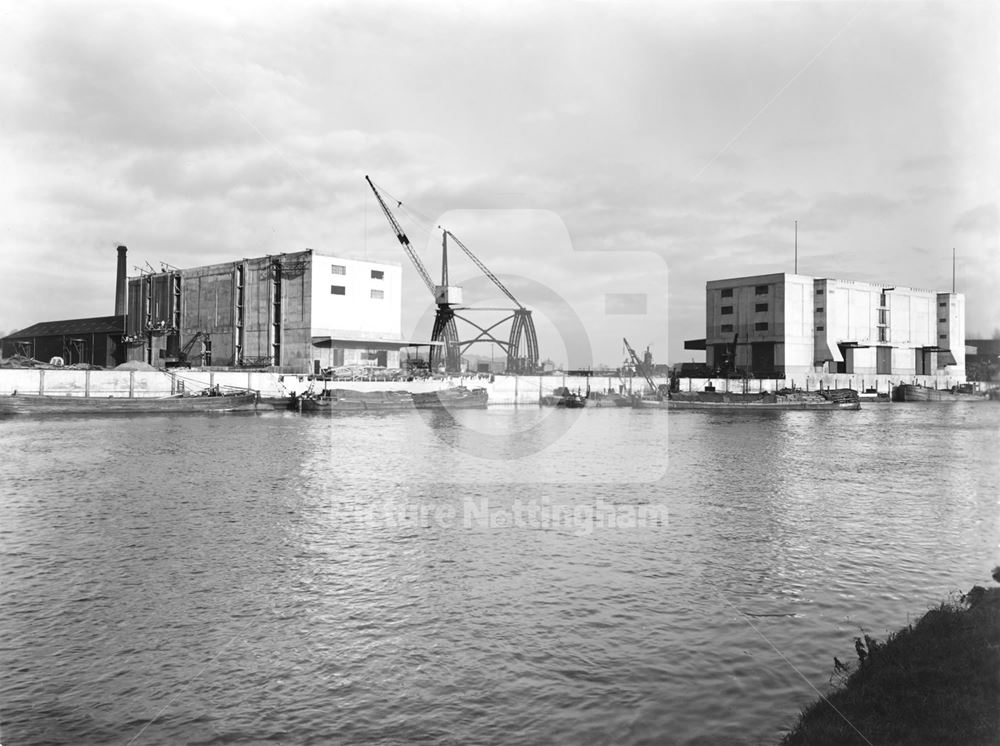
{"x": 342, "y": 290}
{"x": 758, "y": 290}
{"x": 759, "y": 308}
{"x": 340, "y": 269}
{"x": 760, "y": 326}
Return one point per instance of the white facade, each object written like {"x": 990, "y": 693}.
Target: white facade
{"x": 356, "y": 312}
{"x": 793, "y": 324}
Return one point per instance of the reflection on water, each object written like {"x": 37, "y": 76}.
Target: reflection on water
{"x": 221, "y": 579}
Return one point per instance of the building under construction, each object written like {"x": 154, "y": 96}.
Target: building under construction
{"x": 299, "y": 312}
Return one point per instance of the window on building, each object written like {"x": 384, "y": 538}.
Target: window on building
{"x": 819, "y": 291}
{"x": 338, "y": 269}
{"x": 942, "y": 336}
{"x": 338, "y": 290}
{"x": 820, "y": 328}
{"x": 377, "y": 274}
{"x": 943, "y": 321}
{"x": 761, "y": 307}
{"x": 883, "y": 334}
{"x": 760, "y": 326}
{"x": 760, "y": 290}
{"x": 819, "y": 309}
{"x": 727, "y": 310}
{"x": 378, "y": 294}
{"x": 727, "y": 292}
{"x": 943, "y": 304}
{"x": 727, "y": 327}
{"x": 883, "y": 316}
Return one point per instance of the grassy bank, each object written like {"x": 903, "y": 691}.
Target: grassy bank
{"x": 934, "y": 682}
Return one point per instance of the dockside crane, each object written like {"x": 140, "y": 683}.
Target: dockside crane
{"x": 521, "y": 345}
{"x": 640, "y": 366}
{"x": 444, "y": 330}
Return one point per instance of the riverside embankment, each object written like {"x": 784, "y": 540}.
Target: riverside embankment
{"x": 936, "y": 681}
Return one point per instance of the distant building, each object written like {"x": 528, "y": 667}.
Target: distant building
{"x": 982, "y": 359}
{"x": 298, "y": 313}
{"x": 780, "y": 325}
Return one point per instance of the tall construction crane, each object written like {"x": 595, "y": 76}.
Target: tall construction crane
{"x": 521, "y": 346}
{"x": 640, "y": 366}
{"x": 445, "y": 332}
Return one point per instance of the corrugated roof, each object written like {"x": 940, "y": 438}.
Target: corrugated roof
{"x": 95, "y": 325}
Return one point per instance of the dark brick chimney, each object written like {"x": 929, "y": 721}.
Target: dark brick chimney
{"x": 121, "y": 284}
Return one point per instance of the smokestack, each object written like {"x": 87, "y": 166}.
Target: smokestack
{"x": 121, "y": 284}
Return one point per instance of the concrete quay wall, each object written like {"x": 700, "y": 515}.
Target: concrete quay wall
{"x": 501, "y": 389}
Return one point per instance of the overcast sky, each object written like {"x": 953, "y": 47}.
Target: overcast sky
{"x": 548, "y": 137}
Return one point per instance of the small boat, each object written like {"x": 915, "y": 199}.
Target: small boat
{"x": 961, "y": 392}
{"x": 873, "y": 395}
{"x": 346, "y": 400}
{"x": 609, "y": 400}
{"x": 213, "y": 401}
{"x": 563, "y": 397}
{"x": 785, "y": 399}
{"x": 458, "y": 397}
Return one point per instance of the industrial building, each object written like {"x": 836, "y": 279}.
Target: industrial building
{"x": 94, "y": 341}
{"x": 298, "y": 312}
{"x": 779, "y": 325}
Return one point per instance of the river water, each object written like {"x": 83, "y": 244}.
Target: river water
{"x": 502, "y": 576}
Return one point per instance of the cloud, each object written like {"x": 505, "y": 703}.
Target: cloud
{"x": 983, "y": 220}
{"x": 200, "y": 133}
{"x": 836, "y": 211}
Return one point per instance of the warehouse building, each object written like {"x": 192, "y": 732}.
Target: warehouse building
{"x": 93, "y": 341}
{"x": 299, "y": 312}
{"x": 782, "y": 324}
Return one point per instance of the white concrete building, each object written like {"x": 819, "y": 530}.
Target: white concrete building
{"x": 781, "y": 325}
{"x": 356, "y": 312}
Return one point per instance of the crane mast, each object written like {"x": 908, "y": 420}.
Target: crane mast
{"x": 641, "y": 367}
{"x": 483, "y": 268}
{"x": 403, "y": 239}
{"x": 521, "y": 346}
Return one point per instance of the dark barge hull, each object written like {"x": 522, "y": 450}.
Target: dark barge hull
{"x": 454, "y": 398}
{"x": 910, "y": 392}
{"x": 831, "y": 400}
{"x": 346, "y": 400}
{"x": 33, "y": 404}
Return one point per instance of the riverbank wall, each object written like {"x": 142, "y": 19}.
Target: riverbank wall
{"x": 501, "y": 389}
